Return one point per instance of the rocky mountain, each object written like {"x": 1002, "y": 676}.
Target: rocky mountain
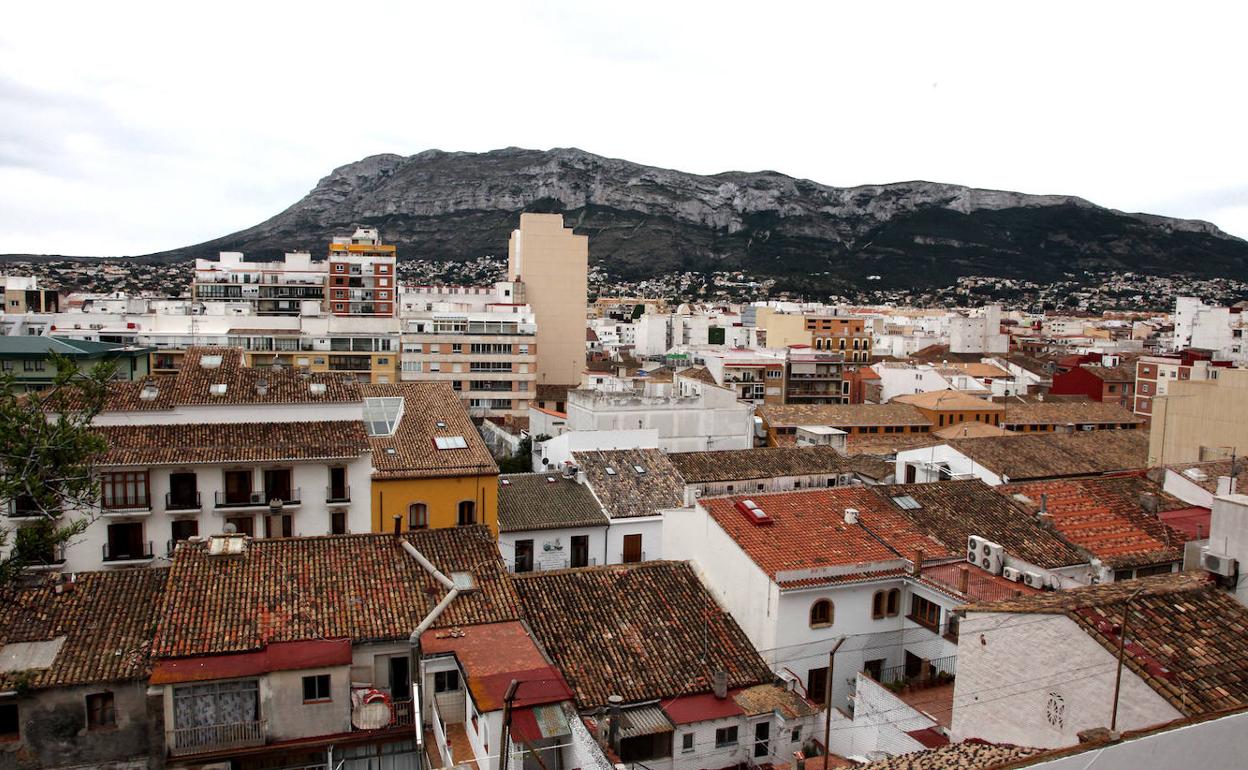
{"x": 643, "y": 221}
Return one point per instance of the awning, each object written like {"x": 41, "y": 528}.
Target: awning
{"x": 644, "y": 720}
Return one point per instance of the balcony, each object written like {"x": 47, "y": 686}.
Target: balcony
{"x": 24, "y": 510}
{"x": 338, "y": 495}
{"x": 401, "y": 716}
{"x": 226, "y": 500}
{"x": 183, "y": 502}
{"x": 212, "y": 738}
{"x": 48, "y": 562}
{"x": 134, "y": 552}
{"x": 132, "y": 507}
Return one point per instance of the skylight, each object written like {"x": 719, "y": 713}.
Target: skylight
{"x": 218, "y": 389}
{"x": 382, "y": 415}
{"x": 210, "y": 362}
{"x": 316, "y": 388}
{"x": 907, "y": 502}
{"x": 450, "y": 442}
{"x": 610, "y": 471}
{"x": 464, "y": 581}
{"x": 639, "y": 469}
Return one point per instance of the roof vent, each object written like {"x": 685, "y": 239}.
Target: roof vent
{"x": 149, "y": 392}
{"x": 210, "y": 362}
{"x": 551, "y": 479}
{"x": 851, "y": 515}
{"x": 505, "y": 482}
{"x": 1195, "y": 474}
{"x": 317, "y": 388}
{"x": 639, "y": 469}
{"x": 391, "y": 450}
{"x": 218, "y": 389}
{"x": 441, "y": 424}
{"x": 610, "y": 471}
{"x": 262, "y": 387}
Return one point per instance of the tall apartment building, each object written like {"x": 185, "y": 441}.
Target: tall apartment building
{"x": 848, "y": 336}
{"x": 21, "y": 294}
{"x": 477, "y": 339}
{"x": 292, "y": 286}
{"x": 1200, "y": 420}
{"x": 815, "y": 377}
{"x": 1153, "y": 375}
{"x": 552, "y": 263}
{"x": 362, "y": 278}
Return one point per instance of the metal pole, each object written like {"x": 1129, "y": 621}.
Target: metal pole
{"x": 504, "y": 750}
{"x": 1122, "y": 646}
{"x": 827, "y": 701}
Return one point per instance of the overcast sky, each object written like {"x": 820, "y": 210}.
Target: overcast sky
{"x": 129, "y": 128}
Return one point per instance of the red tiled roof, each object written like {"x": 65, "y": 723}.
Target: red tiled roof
{"x": 702, "y": 707}
{"x": 492, "y": 655}
{"x": 279, "y": 656}
{"x": 1193, "y": 522}
{"x": 808, "y": 530}
{"x": 982, "y": 586}
{"x": 1104, "y": 516}
{"x": 130, "y": 445}
{"x": 411, "y": 452}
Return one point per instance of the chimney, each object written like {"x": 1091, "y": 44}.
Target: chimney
{"x": 613, "y": 735}
{"x": 1148, "y": 501}
{"x": 1226, "y": 485}
{"x": 398, "y": 524}
{"x": 719, "y": 684}
{"x": 851, "y": 515}
{"x": 964, "y": 579}
{"x": 917, "y": 565}
{"x": 1044, "y": 504}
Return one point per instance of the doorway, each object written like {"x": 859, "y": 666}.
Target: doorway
{"x": 632, "y": 549}
{"x": 580, "y": 551}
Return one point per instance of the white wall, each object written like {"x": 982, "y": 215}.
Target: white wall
{"x": 1006, "y": 679}
{"x": 1216, "y": 744}
{"x": 559, "y": 449}
{"x": 929, "y": 456}
{"x": 649, "y": 527}
{"x": 1228, "y": 535}
{"x": 555, "y": 557}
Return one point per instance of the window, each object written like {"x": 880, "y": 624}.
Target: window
{"x": 338, "y": 523}
{"x": 886, "y": 604}
{"x": 417, "y": 516}
{"x": 457, "y": 347}
{"x": 725, "y": 737}
{"x": 450, "y": 442}
{"x": 796, "y": 735}
{"x": 524, "y": 556}
{"x": 9, "y": 724}
{"x": 816, "y": 684}
{"x": 467, "y": 513}
{"x": 446, "y": 681}
{"x": 316, "y": 688}
{"x": 100, "y": 711}
{"x": 686, "y": 743}
{"x": 924, "y": 612}
{"x": 124, "y": 490}
{"x": 218, "y": 703}
{"x": 821, "y": 614}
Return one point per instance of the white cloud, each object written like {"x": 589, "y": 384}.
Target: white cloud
{"x": 138, "y": 127}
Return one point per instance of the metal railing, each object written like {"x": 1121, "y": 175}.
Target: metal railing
{"x": 625, "y": 560}
{"x": 338, "y": 495}
{"x": 199, "y": 740}
{"x": 257, "y": 499}
{"x": 51, "y": 559}
{"x": 121, "y": 507}
{"x": 182, "y": 502}
{"x": 937, "y": 671}
{"x": 128, "y": 553}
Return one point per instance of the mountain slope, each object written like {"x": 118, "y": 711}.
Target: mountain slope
{"x": 643, "y": 220}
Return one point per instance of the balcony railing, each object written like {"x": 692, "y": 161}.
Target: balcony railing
{"x": 23, "y": 509}
{"x": 182, "y": 502}
{"x": 115, "y": 507}
{"x": 625, "y": 560}
{"x": 936, "y": 671}
{"x": 256, "y": 499}
{"x": 202, "y": 740}
{"x": 129, "y": 553}
{"x": 338, "y": 494}
{"x": 53, "y": 559}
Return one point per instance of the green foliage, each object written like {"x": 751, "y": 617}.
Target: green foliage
{"x": 47, "y": 457}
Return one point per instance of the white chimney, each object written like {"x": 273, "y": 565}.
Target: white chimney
{"x": 851, "y": 515}
{"x": 1226, "y": 485}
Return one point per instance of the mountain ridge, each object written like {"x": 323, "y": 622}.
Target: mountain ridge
{"x": 645, "y": 219}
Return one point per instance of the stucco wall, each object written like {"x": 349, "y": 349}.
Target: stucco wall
{"x": 559, "y": 554}
{"x": 288, "y": 716}
{"x": 1009, "y": 666}
{"x": 54, "y": 728}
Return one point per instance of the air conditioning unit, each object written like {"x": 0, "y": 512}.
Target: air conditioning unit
{"x": 1034, "y": 579}
{"x": 1009, "y": 573}
{"x": 845, "y": 479}
{"x": 1218, "y": 564}
{"x": 988, "y": 555}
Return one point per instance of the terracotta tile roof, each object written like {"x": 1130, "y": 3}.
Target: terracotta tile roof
{"x": 411, "y": 452}
{"x": 528, "y": 501}
{"x": 888, "y": 443}
{"x": 973, "y": 369}
{"x": 1067, "y": 413}
{"x": 625, "y": 493}
{"x": 1105, "y": 517}
{"x": 641, "y": 631}
{"x": 871, "y": 466}
{"x": 232, "y": 442}
{"x": 244, "y": 385}
{"x": 699, "y": 373}
{"x": 1111, "y": 373}
{"x": 947, "y": 401}
{"x": 1188, "y": 639}
{"x": 1205, "y": 475}
{"x": 358, "y": 587}
{"x": 952, "y": 511}
{"x": 553, "y": 392}
{"x": 1052, "y": 455}
{"x": 808, "y": 530}
{"x": 747, "y": 464}
{"x": 841, "y": 415}
{"x": 771, "y": 699}
{"x": 969, "y": 430}
{"x": 970, "y": 755}
{"x": 106, "y": 618}
{"x": 981, "y": 585}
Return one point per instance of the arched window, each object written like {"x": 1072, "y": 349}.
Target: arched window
{"x": 467, "y": 513}
{"x": 417, "y": 516}
{"x": 894, "y": 602}
{"x": 821, "y": 613}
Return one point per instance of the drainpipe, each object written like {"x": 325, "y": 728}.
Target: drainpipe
{"x": 414, "y": 644}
